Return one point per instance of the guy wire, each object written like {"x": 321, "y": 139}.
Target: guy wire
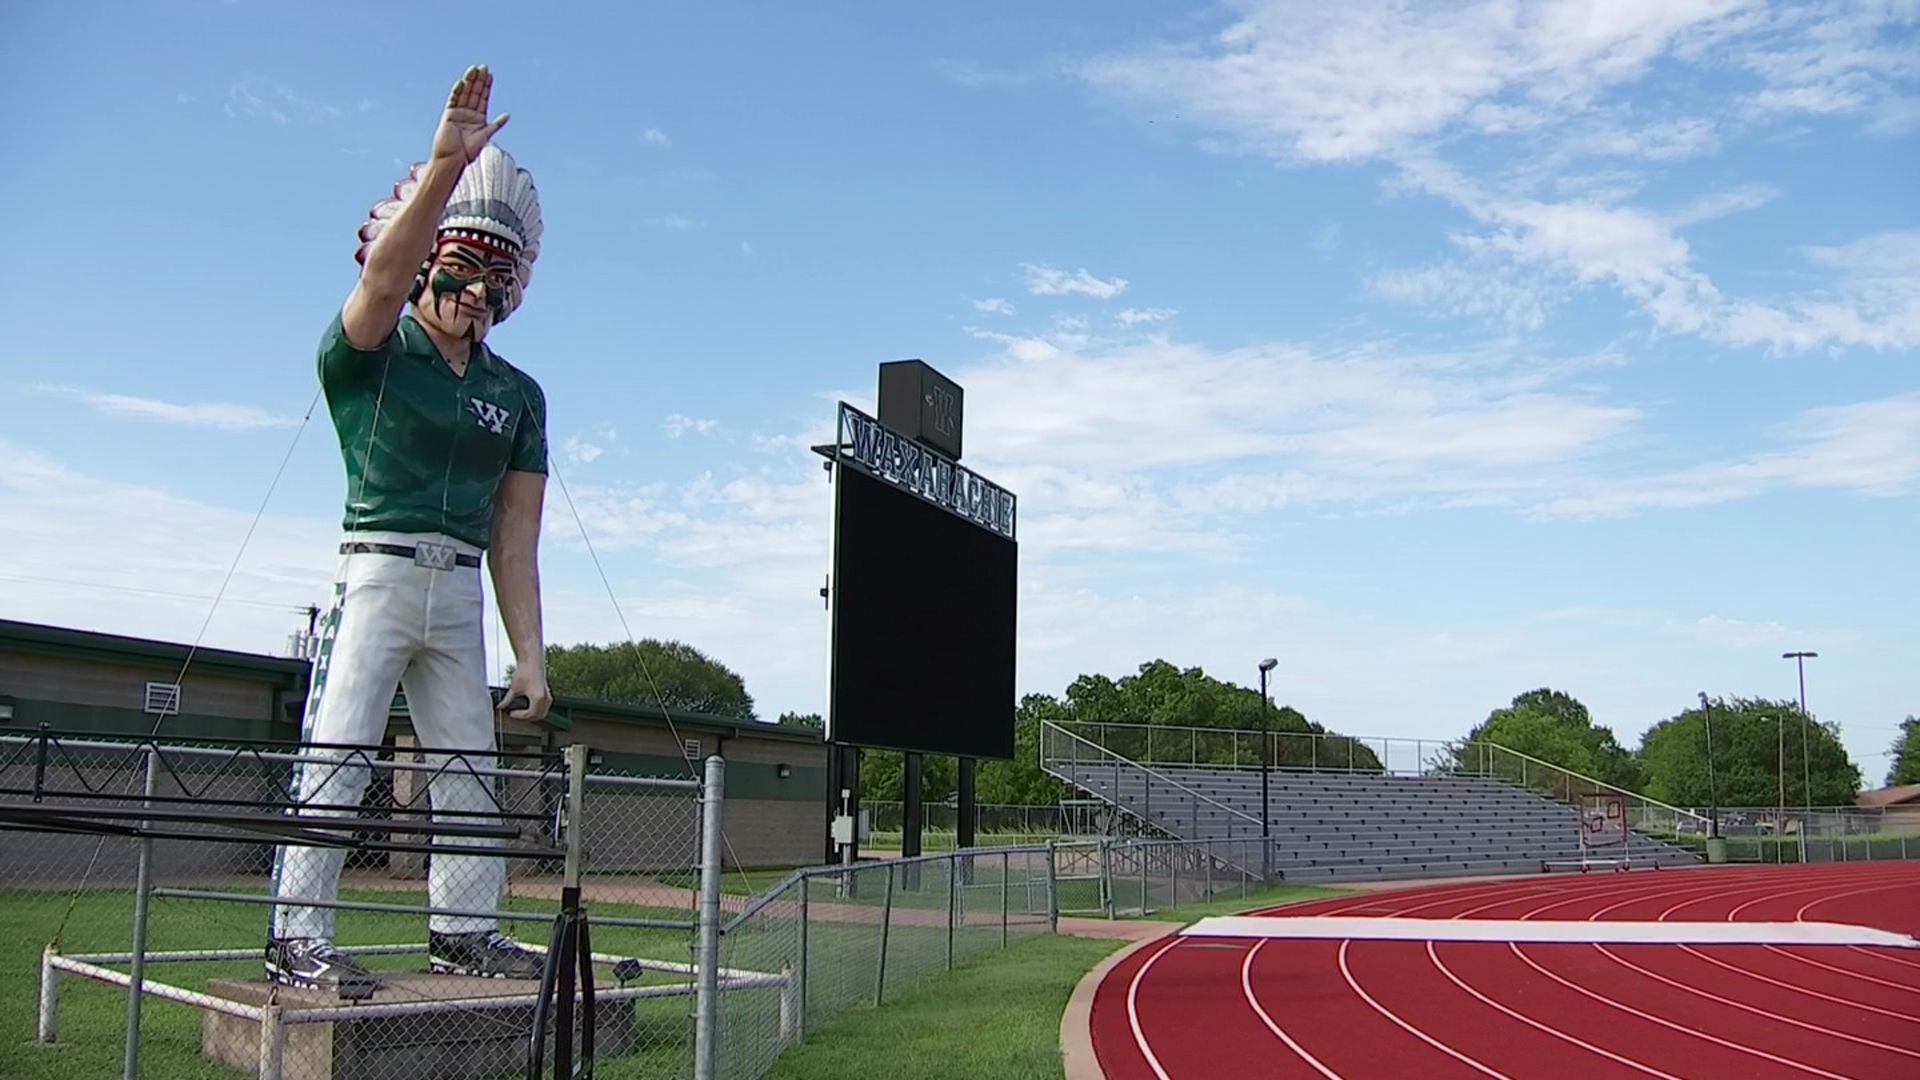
{"x": 194, "y": 648}
{"x": 658, "y": 695}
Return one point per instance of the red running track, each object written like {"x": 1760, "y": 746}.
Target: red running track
{"x": 1238, "y": 1009}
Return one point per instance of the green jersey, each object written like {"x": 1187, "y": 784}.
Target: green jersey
{"x": 425, "y": 448}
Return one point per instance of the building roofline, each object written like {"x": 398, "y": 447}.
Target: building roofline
{"x": 43, "y": 638}
{"x": 579, "y": 708}
{"x": 290, "y": 671}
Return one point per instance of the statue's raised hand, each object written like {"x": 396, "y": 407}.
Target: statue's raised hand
{"x": 464, "y": 130}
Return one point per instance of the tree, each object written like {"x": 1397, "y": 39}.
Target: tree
{"x": 811, "y": 721}
{"x": 682, "y": 678}
{"x": 1746, "y": 755}
{"x": 1160, "y": 695}
{"x": 1905, "y": 766}
{"x": 1556, "y": 727}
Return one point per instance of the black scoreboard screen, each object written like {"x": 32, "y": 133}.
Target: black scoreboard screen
{"x": 923, "y": 600}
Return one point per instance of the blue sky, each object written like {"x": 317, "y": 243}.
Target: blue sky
{"x": 1443, "y": 351}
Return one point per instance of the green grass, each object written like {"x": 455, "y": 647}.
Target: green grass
{"x": 93, "y": 1015}
{"x": 735, "y": 882}
{"x": 933, "y": 841}
{"x": 1257, "y": 897}
{"x": 930, "y": 1026}
{"x": 997, "y": 1016}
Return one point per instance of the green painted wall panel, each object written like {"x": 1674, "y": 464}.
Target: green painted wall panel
{"x": 29, "y": 714}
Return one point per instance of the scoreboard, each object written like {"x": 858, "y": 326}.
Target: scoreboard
{"x": 922, "y": 596}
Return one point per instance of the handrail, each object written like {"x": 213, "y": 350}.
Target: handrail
{"x": 1118, "y": 759}
{"x": 1382, "y": 754}
{"x": 1585, "y": 779}
{"x": 760, "y": 900}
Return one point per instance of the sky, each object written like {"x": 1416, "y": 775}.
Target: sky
{"x": 1441, "y": 351}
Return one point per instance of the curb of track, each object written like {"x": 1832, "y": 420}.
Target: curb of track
{"x": 1077, "y": 1058}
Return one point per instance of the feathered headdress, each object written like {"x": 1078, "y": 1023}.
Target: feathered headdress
{"x": 494, "y": 203}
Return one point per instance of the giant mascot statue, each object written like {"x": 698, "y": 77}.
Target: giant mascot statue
{"x": 446, "y": 459}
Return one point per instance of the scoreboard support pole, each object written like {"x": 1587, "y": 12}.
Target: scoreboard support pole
{"x": 963, "y": 824}
{"x": 913, "y": 816}
{"x": 843, "y": 776}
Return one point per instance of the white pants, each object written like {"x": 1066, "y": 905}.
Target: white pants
{"x": 395, "y": 623}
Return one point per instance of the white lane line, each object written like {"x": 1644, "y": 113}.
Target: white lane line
{"x": 1246, "y": 987}
{"x": 1133, "y": 1009}
{"x": 1555, "y": 1032}
{"x": 1347, "y": 973}
{"x": 1670, "y": 1024}
{"x": 1756, "y": 1011}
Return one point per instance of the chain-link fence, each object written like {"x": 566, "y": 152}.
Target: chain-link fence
{"x": 851, "y": 936}
{"x": 1771, "y": 834}
{"x": 993, "y": 823}
{"x": 283, "y": 928}
{"x": 1115, "y": 878}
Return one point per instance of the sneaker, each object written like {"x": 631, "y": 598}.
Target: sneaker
{"x": 486, "y": 953}
{"x": 315, "y": 963}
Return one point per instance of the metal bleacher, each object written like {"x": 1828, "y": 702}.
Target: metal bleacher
{"x": 1352, "y": 825}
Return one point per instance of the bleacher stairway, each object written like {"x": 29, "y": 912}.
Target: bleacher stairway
{"x": 1343, "y": 826}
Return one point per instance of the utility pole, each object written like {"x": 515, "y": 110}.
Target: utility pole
{"x": 1806, "y": 763}
{"x": 1266, "y": 739}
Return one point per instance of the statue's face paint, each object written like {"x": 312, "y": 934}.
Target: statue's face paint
{"x": 466, "y": 288}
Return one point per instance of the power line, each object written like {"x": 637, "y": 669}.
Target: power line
{"x": 73, "y": 583}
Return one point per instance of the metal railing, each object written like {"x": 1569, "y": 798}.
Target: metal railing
{"x": 151, "y": 869}
{"x": 1237, "y": 748}
{"x": 1770, "y": 834}
{"x": 1113, "y": 878}
{"x": 1644, "y": 815}
{"x": 1007, "y": 820}
{"x": 1165, "y": 804}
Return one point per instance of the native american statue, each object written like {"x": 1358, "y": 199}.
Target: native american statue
{"x": 446, "y": 459}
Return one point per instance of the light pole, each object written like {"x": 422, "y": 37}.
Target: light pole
{"x": 1806, "y": 764}
{"x": 1713, "y": 799}
{"x": 1266, "y": 737}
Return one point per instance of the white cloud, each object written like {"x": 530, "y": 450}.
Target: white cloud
{"x": 1047, "y": 281}
{"x": 655, "y": 137}
{"x": 1719, "y": 204}
{"x": 118, "y": 540}
{"x": 993, "y": 305}
{"x": 678, "y": 425}
{"x": 218, "y": 415}
{"x": 1869, "y": 448}
{"x": 1500, "y": 294}
{"x": 1738, "y": 632}
{"x": 276, "y": 102}
{"x": 1309, "y": 81}
{"x": 674, "y": 223}
{"x": 1130, "y": 316}
{"x": 1415, "y": 89}
{"x": 580, "y": 451}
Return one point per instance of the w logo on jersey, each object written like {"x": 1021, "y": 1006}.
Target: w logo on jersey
{"x": 490, "y": 416}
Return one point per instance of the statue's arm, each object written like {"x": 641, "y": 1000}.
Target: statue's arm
{"x": 513, "y": 558}
{"x": 394, "y": 258}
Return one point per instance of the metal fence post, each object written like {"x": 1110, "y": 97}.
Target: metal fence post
{"x": 953, "y": 908}
{"x": 49, "y": 1025}
{"x": 707, "y": 991}
{"x": 1006, "y": 872}
{"x": 1053, "y": 889}
{"x": 800, "y": 964}
{"x": 1106, "y": 876}
{"x": 886, "y": 923}
{"x": 143, "y": 881}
